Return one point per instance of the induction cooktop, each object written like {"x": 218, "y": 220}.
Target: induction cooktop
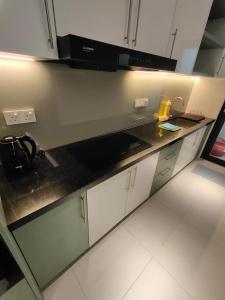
{"x": 102, "y": 152}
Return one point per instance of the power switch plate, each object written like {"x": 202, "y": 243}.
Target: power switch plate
{"x": 20, "y": 116}
{"x": 141, "y": 102}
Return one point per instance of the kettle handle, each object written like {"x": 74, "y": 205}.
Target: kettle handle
{"x": 28, "y": 139}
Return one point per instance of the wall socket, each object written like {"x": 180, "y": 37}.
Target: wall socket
{"x": 141, "y": 102}
{"x": 19, "y": 116}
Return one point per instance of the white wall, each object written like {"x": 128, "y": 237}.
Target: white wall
{"x": 207, "y": 97}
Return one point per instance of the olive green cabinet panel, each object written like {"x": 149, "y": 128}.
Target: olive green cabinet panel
{"x": 21, "y": 291}
{"x": 166, "y": 163}
{"x": 51, "y": 242}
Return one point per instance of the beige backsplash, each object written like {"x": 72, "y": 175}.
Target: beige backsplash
{"x": 72, "y": 104}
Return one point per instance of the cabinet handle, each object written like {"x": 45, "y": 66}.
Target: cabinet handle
{"x": 220, "y": 66}
{"x": 164, "y": 172}
{"x": 134, "y": 178}
{"x": 174, "y": 34}
{"x": 126, "y": 38}
{"x": 129, "y": 179}
{"x": 171, "y": 155}
{"x": 50, "y": 36}
{"x": 83, "y": 209}
{"x": 134, "y": 41}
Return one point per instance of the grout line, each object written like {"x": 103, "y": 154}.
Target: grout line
{"x": 78, "y": 282}
{"x": 132, "y": 284}
{"x": 168, "y": 237}
{"x": 139, "y": 242}
{"x": 179, "y": 284}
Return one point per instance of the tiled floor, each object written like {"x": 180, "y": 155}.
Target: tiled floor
{"x": 172, "y": 248}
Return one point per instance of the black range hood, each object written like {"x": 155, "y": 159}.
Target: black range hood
{"x": 83, "y": 53}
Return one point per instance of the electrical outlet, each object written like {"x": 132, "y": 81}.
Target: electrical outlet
{"x": 20, "y": 116}
{"x": 141, "y": 102}
{"x": 29, "y": 116}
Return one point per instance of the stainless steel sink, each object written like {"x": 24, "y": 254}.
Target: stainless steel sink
{"x": 182, "y": 122}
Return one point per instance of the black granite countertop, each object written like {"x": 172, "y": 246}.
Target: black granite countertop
{"x": 60, "y": 174}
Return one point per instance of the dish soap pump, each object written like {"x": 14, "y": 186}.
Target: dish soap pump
{"x": 164, "y": 110}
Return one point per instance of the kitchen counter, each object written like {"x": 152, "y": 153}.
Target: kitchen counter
{"x": 60, "y": 174}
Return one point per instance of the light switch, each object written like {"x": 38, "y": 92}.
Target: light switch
{"x": 20, "y": 116}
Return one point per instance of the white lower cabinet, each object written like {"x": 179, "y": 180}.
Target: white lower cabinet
{"x": 189, "y": 149}
{"x": 106, "y": 205}
{"x": 141, "y": 181}
{"x": 110, "y": 201}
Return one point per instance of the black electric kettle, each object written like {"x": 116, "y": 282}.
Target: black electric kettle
{"x": 15, "y": 155}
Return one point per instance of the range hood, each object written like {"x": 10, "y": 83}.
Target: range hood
{"x": 85, "y": 53}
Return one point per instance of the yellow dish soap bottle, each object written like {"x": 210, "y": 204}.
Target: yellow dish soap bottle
{"x": 164, "y": 110}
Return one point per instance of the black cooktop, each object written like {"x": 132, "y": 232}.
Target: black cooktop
{"x": 100, "y": 153}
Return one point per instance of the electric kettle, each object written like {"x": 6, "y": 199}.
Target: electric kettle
{"x": 15, "y": 154}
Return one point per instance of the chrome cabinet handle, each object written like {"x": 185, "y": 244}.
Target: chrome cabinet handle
{"x": 50, "y": 38}
{"x": 171, "y": 155}
{"x": 129, "y": 179}
{"x": 134, "y": 178}
{"x": 164, "y": 172}
{"x": 126, "y": 37}
{"x": 174, "y": 34}
{"x": 134, "y": 41}
{"x": 83, "y": 209}
{"x": 220, "y": 66}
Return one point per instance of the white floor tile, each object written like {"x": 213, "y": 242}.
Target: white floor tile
{"x": 196, "y": 263}
{"x": 64, "y": 288}
{"x": 152, "y": 224}
{"x": 174, "y": 196}
{"x": 108, "y": 270}
{"x": 208, "y": 209}
{"x": 157, "y": 284}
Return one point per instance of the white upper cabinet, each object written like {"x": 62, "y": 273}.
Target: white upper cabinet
{"x": 187, "y": 31}
{"x": 27, "y": 27}
{"x": 152, "y": 25}
{"x": 103, "y": 20}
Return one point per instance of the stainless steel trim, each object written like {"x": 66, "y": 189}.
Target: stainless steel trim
{"x": 134, "y": 41}
{"x": 50, "y": 39}
{"x": 127, "y": 35}
{"x": 129, "y": 179}
{"x": 220, "y": 66}
{"x": 174, "y": 34}
{"x": 83, "y": 209}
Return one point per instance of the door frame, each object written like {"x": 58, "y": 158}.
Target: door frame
{"x": 220, "y": 122}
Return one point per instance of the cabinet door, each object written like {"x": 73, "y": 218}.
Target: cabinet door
{"x": 24, "y": 28}
{"x": 20, "y": 291}
{"x": 152, "y": 29}
{"x": 141, "y": 182}
{"x": 54, "y": 240}
{"x": 106, "y": 205}
{"x": 189, "y": 149}
{"x": 188, "y": 28}
{"x": 102, "y": 20}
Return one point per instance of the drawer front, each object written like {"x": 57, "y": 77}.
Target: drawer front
{"x": 168, "y": 157}
{"x": 165, "y": 166}
{"x": 167, "y": 152}
{"x": 161, "y": 179}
